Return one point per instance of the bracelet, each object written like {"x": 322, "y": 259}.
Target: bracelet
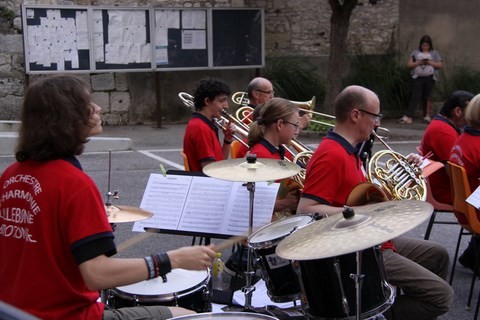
{"x": 150, "y": 267}
{"x": 227, "y": 141}
{"x": 163, "y": 263}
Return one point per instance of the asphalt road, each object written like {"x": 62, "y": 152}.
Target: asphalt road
{"x": 129, "y": 172}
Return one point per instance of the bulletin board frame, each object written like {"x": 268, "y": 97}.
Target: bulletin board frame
{"x": 149, "y": 39}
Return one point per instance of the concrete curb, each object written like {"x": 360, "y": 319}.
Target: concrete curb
{"x": 9, "y": 138}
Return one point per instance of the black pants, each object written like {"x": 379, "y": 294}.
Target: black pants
{"x": 421, "y": 90}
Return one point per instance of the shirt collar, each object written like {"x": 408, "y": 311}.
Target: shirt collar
{"x": 74, "y": 161}
{"x": 341, "y": 140}
{"x": 447, "y": 121}
{"x": 270, "y": 147}
{"x": 473, "y": 132}
{"x": 206, "y": 120}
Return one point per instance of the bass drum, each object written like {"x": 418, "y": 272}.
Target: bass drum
{"x": 184, "y": 288}
{"x": 280, "y": 279}
{"x": 328, "y": 290}
{"x": 226, "y": 315}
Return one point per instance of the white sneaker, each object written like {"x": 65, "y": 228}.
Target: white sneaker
{"x": 427, "y": 119}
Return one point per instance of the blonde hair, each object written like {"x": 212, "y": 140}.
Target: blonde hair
{"x": 472, "y": 112}
{"x": 270, "y": 112}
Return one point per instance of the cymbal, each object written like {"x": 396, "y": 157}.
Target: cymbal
{"x": 371, "y": 225}
{"x": 119, "y": 214}
{"x": 242, "y": 171}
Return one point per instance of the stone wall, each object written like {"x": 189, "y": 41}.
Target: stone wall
{"x": 292, "y": 28}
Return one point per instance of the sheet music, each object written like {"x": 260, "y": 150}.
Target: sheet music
{"x": 474, "y": 198}
{"x": 204, "y": 204}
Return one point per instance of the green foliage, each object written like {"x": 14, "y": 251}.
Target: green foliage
{"x": 387, "y": 76}
{"x": 458, "y": 78}
{"x": 294, "y": 80}
{"x": 7, "y": 13}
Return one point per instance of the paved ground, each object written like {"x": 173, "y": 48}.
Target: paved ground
{"x": 153, "y": 146}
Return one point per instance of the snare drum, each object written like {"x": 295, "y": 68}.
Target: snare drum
{"x": 184, "y": 288}
{"x": 280, "y": 279}
{"x": 227, "y": 315}
{"x": 328, "y": 291}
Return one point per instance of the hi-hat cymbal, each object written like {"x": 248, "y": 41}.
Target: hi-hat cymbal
{"x": 119, "y": 214}
{"x": 242, "y": 171}
{"x": 371, "y": 225}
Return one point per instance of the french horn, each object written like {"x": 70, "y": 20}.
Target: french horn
{"x": 395, "y": 175}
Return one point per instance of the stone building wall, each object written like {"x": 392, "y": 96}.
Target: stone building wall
{"x": 292, "y": 28}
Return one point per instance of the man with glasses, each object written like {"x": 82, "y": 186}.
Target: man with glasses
{"x": 259, "y": 91}
{"x": 418, "y": 267}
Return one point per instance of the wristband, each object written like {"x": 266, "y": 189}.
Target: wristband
{"x": 150, "y": 267}
{"x": 163, "y": 263}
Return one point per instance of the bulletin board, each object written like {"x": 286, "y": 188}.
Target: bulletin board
{"x": 117, "y": 39}
{"x": 121, "y": 39}
{"x": 56, "y": 39}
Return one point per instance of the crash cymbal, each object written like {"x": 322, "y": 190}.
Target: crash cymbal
{"x": 119, "y": 214}
{"x": 371, "y": 225}
{"x": 242, "y": 171}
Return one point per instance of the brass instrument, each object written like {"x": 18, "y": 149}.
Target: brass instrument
{"x": 240, "y": 98}
{"x": 226, "y": 118}
{"x": 399, "y": 179}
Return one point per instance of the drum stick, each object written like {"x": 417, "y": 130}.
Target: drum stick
{"x": 228, "y": 243}
{"x": 133, "y": 241}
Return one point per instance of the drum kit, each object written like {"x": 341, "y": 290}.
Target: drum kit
{"x": 332, "y": 265}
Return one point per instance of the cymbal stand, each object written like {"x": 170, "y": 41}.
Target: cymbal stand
{"x": 249, "y": 287}
{"x": 113, "y": 194}
{"x": 349, "y": 213}
{"x": 358, "y": 278}
{"x": 105, "y": 294}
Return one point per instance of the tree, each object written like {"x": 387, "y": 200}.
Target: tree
{"x": 339, "y": 23}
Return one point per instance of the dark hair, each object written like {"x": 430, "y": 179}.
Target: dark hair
{"x": 54, "y": 119}
{"x": 425, "y": 39}
{"x": 209, "y": 88}
{"x": 271, "y": 111}
{"x": 458, "y": 98}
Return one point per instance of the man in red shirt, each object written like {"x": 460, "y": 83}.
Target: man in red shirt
{"x": 201, "y": 142}
{"x": 418, "y": 267}
{"x": 439, "y": 139}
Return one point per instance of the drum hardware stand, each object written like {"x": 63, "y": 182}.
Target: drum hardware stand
{"x": 106, "y": 294}
{"x": 348, "y": 213}
{"x": 249, "y": 288}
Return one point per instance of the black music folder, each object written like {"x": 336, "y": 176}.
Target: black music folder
{"x": 203, "y": 206}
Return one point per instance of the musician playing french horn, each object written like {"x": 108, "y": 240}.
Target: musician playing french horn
{"x": 418, "y": 267}
{"x": 201, "y": 142}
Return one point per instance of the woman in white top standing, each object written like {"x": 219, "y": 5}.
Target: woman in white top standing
{"x": 424, "y": 62}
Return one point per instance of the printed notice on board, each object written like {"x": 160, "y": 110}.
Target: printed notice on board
{"x": 204, "y": 204}
{"x": 194, "y": 39}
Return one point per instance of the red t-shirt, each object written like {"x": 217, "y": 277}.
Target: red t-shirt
{"x": 47, "y": 210}
{"x": 200, "y": 142}
{"x": 439, "y": 138}
{"x": 466, "y": 153}
{"x": 333, "y": 171}
{"x": 264, "y": 149}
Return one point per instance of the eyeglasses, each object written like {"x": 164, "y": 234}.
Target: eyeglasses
{"x": 266, "y": 92}
{"x": 296, "y": 125}
{"x": 378, "y": 116}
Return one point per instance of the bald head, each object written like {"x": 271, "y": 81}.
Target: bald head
{"x": 353, "y": 97}
{"x": 259, "y": 90}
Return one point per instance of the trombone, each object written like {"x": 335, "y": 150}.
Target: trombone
{"x": 241, "y": 98}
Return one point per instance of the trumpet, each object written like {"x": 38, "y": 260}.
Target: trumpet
{"x": 222, "y": 123}
{"x": 399, "y": 179}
